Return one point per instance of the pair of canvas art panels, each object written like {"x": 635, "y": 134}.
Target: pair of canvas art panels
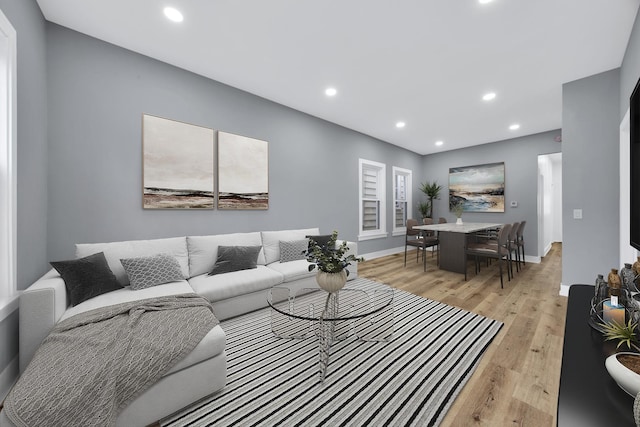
{"x": 179, "y": 165}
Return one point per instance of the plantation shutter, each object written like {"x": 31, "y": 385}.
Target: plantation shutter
{"x": 370, "y": 201}
{"x": 400, "y": 213}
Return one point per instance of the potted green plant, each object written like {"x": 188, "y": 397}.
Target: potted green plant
{"x": 331, "y": 262}
{"x": 432, "y": 190}
{"x": 423, "y": 208}
{"x": 624, "y": 367}
{"x": 457, "y": 208}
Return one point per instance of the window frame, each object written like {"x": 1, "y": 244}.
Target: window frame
{"x": 408, "y": 174}
{"x": 8, "y": 168}
{"x": 381, "y": 190}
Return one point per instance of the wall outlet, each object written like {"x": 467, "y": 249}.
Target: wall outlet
{"x": 577, "y": 214}
{"x": 514, "y": 204}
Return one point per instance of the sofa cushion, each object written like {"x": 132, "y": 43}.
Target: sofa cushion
{"x": 293, "y": 270}
{"x": 144, "y": 272}
{"x": 203, "y": 250}
{"x": 115, "y": 251}
{"x": 87, "y": 277}
{"x": 127, "y": 295}
{"x": 228, "y": 285}
{"x": 292, "y": 250}
{"x": 271, "y": 241}
{"x": 235, "y": 258}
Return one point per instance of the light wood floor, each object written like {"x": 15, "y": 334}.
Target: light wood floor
{"x": 517, "y": 381}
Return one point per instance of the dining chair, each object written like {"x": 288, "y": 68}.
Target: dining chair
{"x": 520, "y": 240}
{"x": 418, "y": 240}
{"x": 498, "y": 251}
{"x": 428, "y": 233}
{"x": 513, "y": 248}
{"x": 442, "y": 220}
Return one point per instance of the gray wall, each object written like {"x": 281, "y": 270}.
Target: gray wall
{"x": 590, "y": 159}
{"x": 97, "y": 95}
{"x": 520, "y": 156}
{"x": 26, "y": 18}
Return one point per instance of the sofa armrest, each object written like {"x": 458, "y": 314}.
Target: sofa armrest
{"x": 353, "y": 249}
{"x": 41, "y": 306}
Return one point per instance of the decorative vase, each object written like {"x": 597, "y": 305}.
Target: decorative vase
{"x": 331, "y": 282}
{"x": 626, "y": 378}
{"x": 615, "y": 283}
{"x": 627, "y": 275}
{"x": 602, "y": 291}
{"x": 459, "y": 221}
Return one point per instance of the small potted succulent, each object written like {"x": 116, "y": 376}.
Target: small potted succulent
{"x": 331, "y": 262}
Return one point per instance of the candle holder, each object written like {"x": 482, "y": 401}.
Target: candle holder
{"x": 598, "y": 317}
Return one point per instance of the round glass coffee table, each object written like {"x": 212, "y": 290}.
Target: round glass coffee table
{"x": 352, "y": 313}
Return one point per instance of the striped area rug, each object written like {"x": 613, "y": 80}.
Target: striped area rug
{"x": 410, "y": 380}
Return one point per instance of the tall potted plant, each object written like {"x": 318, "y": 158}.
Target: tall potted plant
{"x": 432, "y": 190}
{"x": 331, "y": 262}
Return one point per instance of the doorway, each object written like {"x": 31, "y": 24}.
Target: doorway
{"x": 549, "y": 201}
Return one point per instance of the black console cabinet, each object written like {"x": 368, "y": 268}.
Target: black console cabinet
{"x": 588, "y": 395}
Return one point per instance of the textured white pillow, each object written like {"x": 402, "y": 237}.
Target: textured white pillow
{"x": 145, "y": 272}
{"x": 115, "y": 251}
{"x": 271, "y": 241}
{"x": 293, "y": 250}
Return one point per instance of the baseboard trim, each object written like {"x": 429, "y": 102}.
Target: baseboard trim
{"x": 380, "y": 254}
{"x": 8, "y": 377}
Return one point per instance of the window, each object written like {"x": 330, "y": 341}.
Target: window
{"x": 401, "y": 200}
{"x": 372, "y": 200}
{"x": 8, "y": 292}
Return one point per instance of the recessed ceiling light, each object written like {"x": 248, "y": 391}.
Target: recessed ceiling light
{"x": 400, "y": 125}
{"x": 173, "y": 14}
{"x": 331, "y": 91}
{"x": 489, "y": 96}
{"x": 514, "y": 126}
{"x": 439, "y": 143}
{"x": 484, "y": 1}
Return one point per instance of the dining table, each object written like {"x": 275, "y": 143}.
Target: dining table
{"x": 453, "y": 241}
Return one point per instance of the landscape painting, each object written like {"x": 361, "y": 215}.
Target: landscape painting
{"x": 177, "y": 165}
{"x": 479, "y": 188}
{"x": 243, "y": 172}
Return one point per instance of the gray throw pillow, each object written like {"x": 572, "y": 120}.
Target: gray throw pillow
{"x": 86, "y": 277}
{"x": 235, "y": 258}
{"x": 145, "y": 272}
{"x": 321, "y": 240}
{"x": 293, "y": 250}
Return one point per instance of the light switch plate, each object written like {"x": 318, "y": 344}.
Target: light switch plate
{"x": 577, "y": 214}
{"x": 514, "y": 204}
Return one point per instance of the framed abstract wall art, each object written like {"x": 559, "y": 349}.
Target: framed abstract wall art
{"x": 178, "y": 161}
{"x": 479, "y": 188}
{"x": 243, "y": 172}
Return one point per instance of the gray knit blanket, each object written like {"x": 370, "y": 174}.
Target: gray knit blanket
{"x": 93, "y": 364}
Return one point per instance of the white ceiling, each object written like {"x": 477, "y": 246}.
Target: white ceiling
{"x": 425, "y": 62}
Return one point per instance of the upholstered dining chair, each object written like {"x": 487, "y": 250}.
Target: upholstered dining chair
{"x": 498, "y": 251}
{"x": 418, "y": 240}
{"x": 513, "y": 248}
{"x": 520, "y": 240}
{"x": 442, "y": 220}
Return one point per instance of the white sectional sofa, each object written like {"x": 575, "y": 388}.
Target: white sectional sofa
{"x": 203, "y": 371}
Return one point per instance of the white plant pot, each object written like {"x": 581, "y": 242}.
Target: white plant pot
{"x": 459, "y": 221}
{"x": 331, "y": 282}
{"x": 628, "y": 380}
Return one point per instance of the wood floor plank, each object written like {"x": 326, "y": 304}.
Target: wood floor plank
{"x": 517, "y": 380}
